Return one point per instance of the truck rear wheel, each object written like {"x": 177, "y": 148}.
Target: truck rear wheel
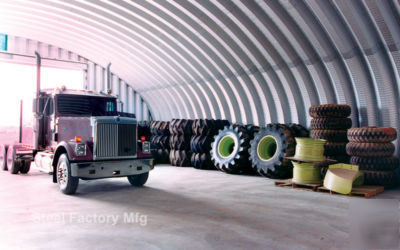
{"x": 26, "y": 167}
{"x": 13, "y": 164}
{"x": 138, "y": 180}
{"x": 3, "y": 157}
{"x": 67, "y": 183}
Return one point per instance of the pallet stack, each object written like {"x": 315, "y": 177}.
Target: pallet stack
{"x": 179, "y": 142}
{"x": 330, "y": 122}
{"x": 371, "y": 148}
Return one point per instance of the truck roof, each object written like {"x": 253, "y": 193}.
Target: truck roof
{"x": 84, "y": 92}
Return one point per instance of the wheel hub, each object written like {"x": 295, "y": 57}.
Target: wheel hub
{"x": 62, "y": 174}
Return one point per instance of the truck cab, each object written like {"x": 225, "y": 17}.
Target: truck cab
{"x": 79, "y": 134}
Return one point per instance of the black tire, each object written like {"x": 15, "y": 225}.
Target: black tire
{"x": 202, "y": 144}
{"x": 26, "y": 166}
{"x": 331, "y": 123}
{"x": 229, "y": 151}
{"x": 172, "y": 126}
{"x": 299, "y": 130}
{"x": 204, "y": 161}
{"x": 13, "y": 164}
{"x": 372, "y": 134}
{"x": 66, "y": 183}
{"x": 370, "y": 149}
{"x": 183, "y": 158}
{"x": 268, "y": 149}
{"x": 329, "y": 135}
{"x": 180, "y": 142}
{"x": 193, "y": 160}
{"x": 375, "y": 164}
{"x": 172, "y": 159}
{"x": 3, "y": 157}
{"x": 138, "y": 180}
{"x": 184, "y": 127}
{"x": 335, "y": 148}
{"x": 330, "y": 110}
{"x": 381, "y": 178}
{"x": 340, "y": 158}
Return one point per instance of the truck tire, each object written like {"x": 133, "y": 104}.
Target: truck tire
{"x": 370, "y": 149}
{"x": 382, "y": 178}
{"x": 13, "y": 164}
{"x": 331, "y": 123}
{"x": 26, "y": 166}
{"x": 330, "y": 110}
{"x": 372, "y": 134}
{"x": 335, "y": 148}
{"x": 375, "y": 164}
{"x": 138, "y": 180}
{"x": 329, "y": 135}
{"x": 3, "y": 157}
{"x": 67, "y": 183}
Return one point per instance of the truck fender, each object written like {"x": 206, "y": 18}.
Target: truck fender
{"x": 62, "y": 148}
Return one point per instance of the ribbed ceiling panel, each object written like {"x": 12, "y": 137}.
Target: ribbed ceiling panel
{"x": 246, "y": 61}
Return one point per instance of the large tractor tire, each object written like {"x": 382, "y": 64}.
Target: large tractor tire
{"x": 229, "y": 151}
{"x": 66, "y": 183}
{"x": 13, "y": 164}
{"x": 331, "y": 123}
{"x": 268, "y": 149}
{"x": 370, "y": 149}
{"x": 3, "y": 157}
{"x": 299, "y": 130}
{"x": 330, "y": 110}
{"x": 375, "y": 164}
{"x": 202, "y": 161}
{"x": 372, "y": 134}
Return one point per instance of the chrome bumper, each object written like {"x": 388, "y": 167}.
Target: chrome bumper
{"x": 104, "y": 169}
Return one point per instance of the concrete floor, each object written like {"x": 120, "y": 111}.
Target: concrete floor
{"x": 178, "y": 208}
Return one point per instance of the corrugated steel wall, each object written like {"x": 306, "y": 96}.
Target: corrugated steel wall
{"x": 249, "y": 61}
{"x": 22, "y": 50}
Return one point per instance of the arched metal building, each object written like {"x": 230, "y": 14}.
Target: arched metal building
{"x": 246, "y": 61}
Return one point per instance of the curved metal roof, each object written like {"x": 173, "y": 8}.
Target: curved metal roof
{"x": 247, "y": 61}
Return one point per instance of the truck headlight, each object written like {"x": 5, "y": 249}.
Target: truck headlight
{"x": 146, "y": 147}
{"x": 80, "y": 149}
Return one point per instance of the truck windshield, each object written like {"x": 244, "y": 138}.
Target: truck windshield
{"x": 86, "y": 105}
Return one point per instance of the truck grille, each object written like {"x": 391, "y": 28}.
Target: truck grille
{"x": 115, "y": 141}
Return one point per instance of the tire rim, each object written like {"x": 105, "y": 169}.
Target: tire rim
{"x": 226, "y": 146}
{"x": 62, "y": 175}
{"x": 267, "y": 148}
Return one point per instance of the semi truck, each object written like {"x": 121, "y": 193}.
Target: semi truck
{"x": 79, "y": 134}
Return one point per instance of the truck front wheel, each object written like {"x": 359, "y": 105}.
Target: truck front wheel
{"x": 138, "y": 180}
{"x": 67, "y": 183}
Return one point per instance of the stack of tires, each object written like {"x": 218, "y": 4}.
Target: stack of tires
{"x": 200, "y": 143}
{"x": 160, "y": 141}
{"x": 330, "y": 122}
{"x": 371, "y": 148}
{"x": 179, "y": 142}
{"x": 271, "y": 145}
{"x": 230, "y": 149}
